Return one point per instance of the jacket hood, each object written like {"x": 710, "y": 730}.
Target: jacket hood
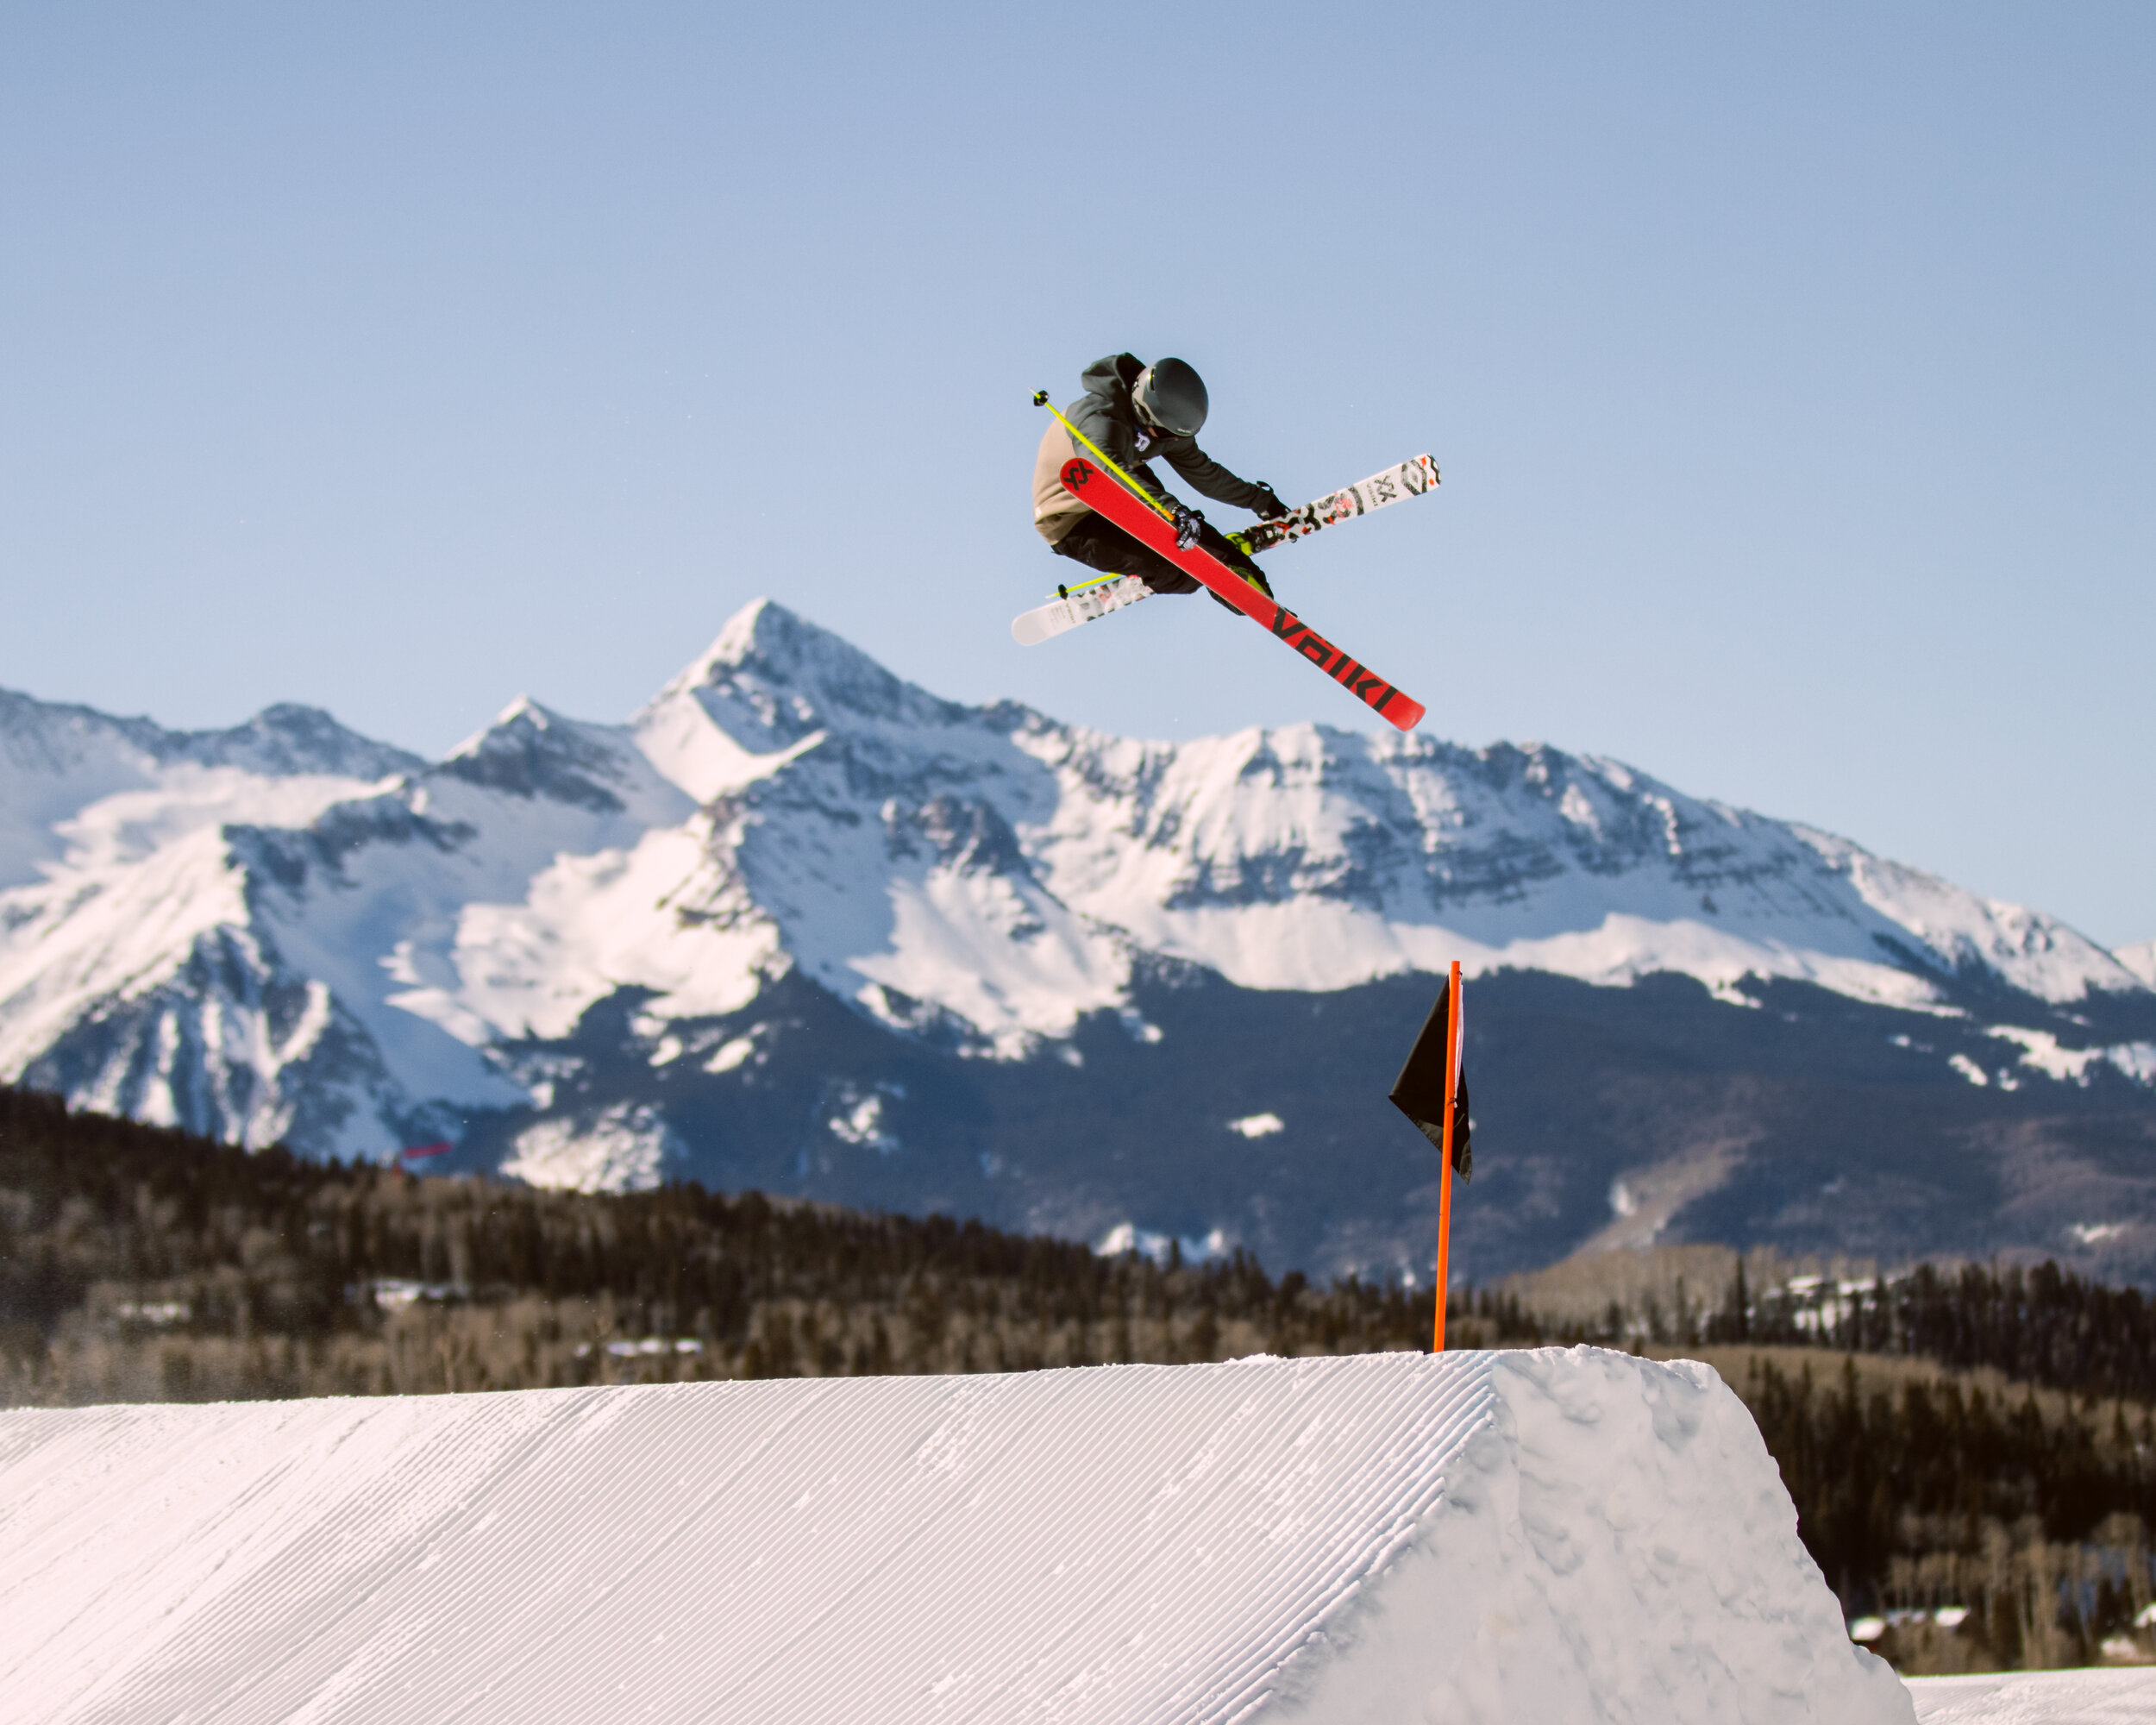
{"x": 1111, "y": 378}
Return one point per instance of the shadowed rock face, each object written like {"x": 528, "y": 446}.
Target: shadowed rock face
{"x": 287, "y": 739}
{"x": 529, "y": 753}
{"x": 1651, "y": 1113}
{"x": 810, "y": 928}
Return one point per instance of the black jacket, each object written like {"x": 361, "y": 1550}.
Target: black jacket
{"x": 1104, "y": 413}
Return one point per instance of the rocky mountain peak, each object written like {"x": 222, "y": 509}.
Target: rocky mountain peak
{"x": 529, "y": 751}
{"x": 288, "y": 739}
{"x": 772, "y": 678}
{"x": 803, "y": 925}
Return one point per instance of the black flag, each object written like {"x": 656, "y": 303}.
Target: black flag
{"x": 1421, "y": 1091}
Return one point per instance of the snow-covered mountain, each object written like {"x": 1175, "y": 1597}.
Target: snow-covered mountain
{"x": 577, "y": 949}
{"x": 2141, "y": 959}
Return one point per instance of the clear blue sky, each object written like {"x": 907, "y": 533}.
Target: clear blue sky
{"x": 1790, "y": 372}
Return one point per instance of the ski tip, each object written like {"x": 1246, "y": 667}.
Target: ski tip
{"x": 1403, "y": 710}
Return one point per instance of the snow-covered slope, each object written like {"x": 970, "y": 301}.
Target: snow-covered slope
{"x": 1474, "y": 1537}
{"x": 286, "y": 932}
{"x": 125, "y": 924}
{"x": 141, "y": 785}
{"x": 998, "y": 865}
{"x": 994, "y": 869}
{"x": 2140, "y": 960}
{"x": 2119, "y": 1696}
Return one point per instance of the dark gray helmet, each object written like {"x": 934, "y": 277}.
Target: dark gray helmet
{"x": 1170, "y": 395}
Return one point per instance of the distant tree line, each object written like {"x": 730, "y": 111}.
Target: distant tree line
{"x": 134, "y": 1261}
{"x": 2043, "y": 1326}
{"x": 140, "y": 1264}
{"x": 1933, "y": 1494}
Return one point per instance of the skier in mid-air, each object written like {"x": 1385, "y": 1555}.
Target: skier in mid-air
{"x": 1135, "y": 412}
{"x": 1096, "y": 501}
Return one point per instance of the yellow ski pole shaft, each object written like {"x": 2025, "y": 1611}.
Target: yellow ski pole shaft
{"x": 1040, "y": 399}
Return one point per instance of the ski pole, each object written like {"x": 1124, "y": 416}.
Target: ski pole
{"x": 1040, "y": 399}
{"x": 1444, "y": 1151}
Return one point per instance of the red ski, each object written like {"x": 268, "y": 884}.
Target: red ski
{"x": 1142, "y": 518}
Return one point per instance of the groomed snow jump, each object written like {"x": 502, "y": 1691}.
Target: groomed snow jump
{"x": 1546, "y": 1536}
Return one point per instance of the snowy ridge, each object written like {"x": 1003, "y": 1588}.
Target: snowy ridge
{"x": 996, "y": 870}
{"x": 57, "y": 762}
{"x": 285, "y": 931}
{"x": 2139, "y": 960}
{"x": 1475, "y": 1536}
{"x": 1310, "y": 858}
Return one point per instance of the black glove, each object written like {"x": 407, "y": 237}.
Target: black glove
{"x": 1268, "y": 507}
{"x": 1187, "y": 522}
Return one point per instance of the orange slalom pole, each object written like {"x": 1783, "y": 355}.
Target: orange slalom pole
{"x": 1444, "y": 1174}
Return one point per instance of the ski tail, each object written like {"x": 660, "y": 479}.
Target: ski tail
{"x": 1074, "y": 605}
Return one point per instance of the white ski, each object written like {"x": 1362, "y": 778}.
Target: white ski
{"x": 1410, "y": 479}
{"x": 1066, "y": 612}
